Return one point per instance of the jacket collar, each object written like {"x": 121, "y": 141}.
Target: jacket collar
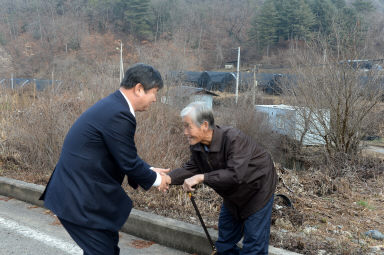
{"x": 129, "y": 103}
{"x": 217, "y": 139}
{"x": 123, "y": 100}
{"x": 120, "y": 96}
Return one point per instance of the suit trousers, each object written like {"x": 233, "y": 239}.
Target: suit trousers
{"x": 255, "y": 229}
{"x": 93, "y": 241}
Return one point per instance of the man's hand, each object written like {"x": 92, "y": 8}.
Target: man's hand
{"x": 165, "y": 181}
{"x": 192, "y": 181}
{"x": 160, "y": 170}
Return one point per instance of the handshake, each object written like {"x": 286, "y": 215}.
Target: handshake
{"x": 165, "y": 178}
{"x": 188, "y": 184}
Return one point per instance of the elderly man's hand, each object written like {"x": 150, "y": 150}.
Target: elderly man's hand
{"x": 192, "y": 181}
{"x": 165, "y": 181}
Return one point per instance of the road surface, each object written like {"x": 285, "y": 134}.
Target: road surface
{"x": 26, "y": 229}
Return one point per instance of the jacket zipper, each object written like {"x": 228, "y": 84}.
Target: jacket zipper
{"x": 206, "y": 157}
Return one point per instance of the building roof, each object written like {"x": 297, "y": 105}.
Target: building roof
{"x": 278, "y": 106}
{"x": 188, "y": 91}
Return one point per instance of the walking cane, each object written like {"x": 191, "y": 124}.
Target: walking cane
{"x": 214, "y": 251}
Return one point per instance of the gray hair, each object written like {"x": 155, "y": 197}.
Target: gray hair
{"x": 199, "y": 112}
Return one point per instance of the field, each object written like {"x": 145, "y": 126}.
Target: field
{"x": 329, "y": 216}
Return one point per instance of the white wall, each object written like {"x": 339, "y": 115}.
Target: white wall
{"x": 290, "y": 121}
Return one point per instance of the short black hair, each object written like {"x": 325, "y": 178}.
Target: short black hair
{"x": 148, "y": 76}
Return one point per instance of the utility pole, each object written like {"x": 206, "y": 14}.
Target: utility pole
{"x": 121, "y": 62}
{"x": 254, "y": 86}
{"x": 324, "y": 58}
{"x": 237, "y": 75}
{"x": 53, "y": 80}
{"x": 34, "y": 90}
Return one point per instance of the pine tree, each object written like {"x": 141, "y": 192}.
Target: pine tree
{"x": 363, "y": 6}
{"x": 131, "y": 16}
{"x": 264, "y": 26}
{"x": 281, "y": 20}
{"x": 324, "y": 12}
{"x": 339, "y": 4}
{"x": 139, "y": 18}
{"x": 295, "y": 19}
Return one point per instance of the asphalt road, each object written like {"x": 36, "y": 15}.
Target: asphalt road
{"x": 26, "y": 229}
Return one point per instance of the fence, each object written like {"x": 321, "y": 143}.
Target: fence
{"x": 19, "y": 83}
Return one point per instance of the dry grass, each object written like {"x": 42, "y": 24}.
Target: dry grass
{"x": 335, "y": 212}
{"x": 330, "y": 213}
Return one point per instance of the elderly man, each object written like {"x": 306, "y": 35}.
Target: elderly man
{"x": 239, "y": 170}
{"x": 98, "y": 152}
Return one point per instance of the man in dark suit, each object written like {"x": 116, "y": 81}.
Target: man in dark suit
{"x": 85, "y": 190}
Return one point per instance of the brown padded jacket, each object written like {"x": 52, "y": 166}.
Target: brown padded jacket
{"x": 236, "y": 167}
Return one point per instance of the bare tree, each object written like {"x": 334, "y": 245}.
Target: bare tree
{"x": 337, "y": 92}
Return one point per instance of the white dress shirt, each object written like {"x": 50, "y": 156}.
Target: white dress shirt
{"x": 158, "y": 178}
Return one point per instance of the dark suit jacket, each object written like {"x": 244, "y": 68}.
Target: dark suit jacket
{"x": 236, "y": 167}
{"x": 98, "y": 151}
